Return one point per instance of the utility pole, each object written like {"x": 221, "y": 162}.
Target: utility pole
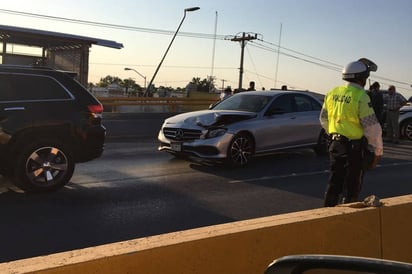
{"x": 223, "y": 84}
{"x": 214, "y": 48}
{"x": 243, "y": 39}
{"x": 277, "y": 60}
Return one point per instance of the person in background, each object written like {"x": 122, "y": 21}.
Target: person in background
{"x": 394, "y": 101}
{"x": 377, "y": 101}
{"x": 226, "y": 93}
{"x": 251, "y": 86}
{"x": 348, "y": 117}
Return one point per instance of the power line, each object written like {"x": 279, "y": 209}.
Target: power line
{"x": 306, "y": 58}
{"x": 319, "y": 62}
{"x": 328, "y": 65}
{"x": 254, "y": 66}
{"x": 112, "y": 26}
{"x": 166, "y": 66}
{"x": 300, "y": 53}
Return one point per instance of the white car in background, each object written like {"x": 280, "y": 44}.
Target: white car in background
{"x": 405, "y": 122}
{"x": 405, "y": 118}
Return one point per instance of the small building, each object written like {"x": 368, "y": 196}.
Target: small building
{"x": 115, "y": 89}
{"x": 55, "y": 50}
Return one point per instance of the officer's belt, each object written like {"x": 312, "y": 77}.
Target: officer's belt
{"x": 341, "y": 138}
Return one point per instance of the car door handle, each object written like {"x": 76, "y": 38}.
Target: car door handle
{"x": 14, "y": 108}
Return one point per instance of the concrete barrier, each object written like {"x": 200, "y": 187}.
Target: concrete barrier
{"x": 245, "y": 246}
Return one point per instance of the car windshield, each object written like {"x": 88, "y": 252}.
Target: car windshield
{"x": 244, "y": 102}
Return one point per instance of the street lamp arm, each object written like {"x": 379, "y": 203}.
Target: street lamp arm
{"x": 192, "y": 9}
{"x": 167, "y": 50}
{"x": 164, "y": 56}
{"x": 139, "y": 73}
{"x": 144, "y": 77}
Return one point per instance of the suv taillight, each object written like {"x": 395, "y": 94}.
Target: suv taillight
{"x": 96, "y": 110}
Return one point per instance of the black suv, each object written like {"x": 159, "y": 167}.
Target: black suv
{"x": 48, "y": 122}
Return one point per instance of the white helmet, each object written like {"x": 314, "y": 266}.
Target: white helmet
{"x": 358, "y": 69}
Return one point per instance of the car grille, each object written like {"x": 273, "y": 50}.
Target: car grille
{"x": 181, "y": 134}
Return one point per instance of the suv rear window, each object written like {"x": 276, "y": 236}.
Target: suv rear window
{"x": 19, "y": 87}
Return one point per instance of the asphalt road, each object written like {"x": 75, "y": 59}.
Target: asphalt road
{"x": 135, "y": 191}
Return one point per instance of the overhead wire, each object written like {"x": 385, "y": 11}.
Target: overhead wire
{"x": 112, "y": 26}
{"x": 254, "y": 66}
{"x": 268, "y": 46}
{"x": 300, "y": 53}
{"x": 319, "y": 62}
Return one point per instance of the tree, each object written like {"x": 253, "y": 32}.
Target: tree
{"x": 202, "y": 85}
{"x": 130, "y": 83}
{"x": 106, "y": 81}
{"x": 127, "y": 84}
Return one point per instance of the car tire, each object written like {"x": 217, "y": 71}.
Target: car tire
{"x": 45, "y": 165}
{"x": 240, "y": 150}
{"x": 406, "y": 129}
{"x": 321, "y": 147}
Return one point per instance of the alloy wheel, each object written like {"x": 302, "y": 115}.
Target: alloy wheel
{"x": 241, "y": 150}
{"x": 46, "y": 166}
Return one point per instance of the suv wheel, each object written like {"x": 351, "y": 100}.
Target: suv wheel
{"x": 44, "y": 165}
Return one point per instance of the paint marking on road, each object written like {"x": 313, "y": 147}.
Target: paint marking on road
{"x": 308, "y": 173}
{"x": 279, "y": 176}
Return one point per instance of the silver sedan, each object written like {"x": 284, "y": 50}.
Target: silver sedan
{"x": 246, "y": 124}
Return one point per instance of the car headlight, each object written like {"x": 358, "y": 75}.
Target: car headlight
{"x": 216, "y": 132}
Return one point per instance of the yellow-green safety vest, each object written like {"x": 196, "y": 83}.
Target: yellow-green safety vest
{"x": 346, "y": 105}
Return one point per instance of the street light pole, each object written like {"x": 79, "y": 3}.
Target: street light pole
{"x": 144, "y": 77}
{"x": 148, "y": 91}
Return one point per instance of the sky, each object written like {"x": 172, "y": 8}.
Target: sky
{"x": 303, "y": 44}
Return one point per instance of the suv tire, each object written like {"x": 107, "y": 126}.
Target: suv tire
{"x": 43, "y": 166}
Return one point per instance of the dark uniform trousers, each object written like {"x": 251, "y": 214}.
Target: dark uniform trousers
{"x": 345, "y": 171}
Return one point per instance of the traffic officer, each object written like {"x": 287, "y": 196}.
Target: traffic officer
{"x": 348, "y": 117}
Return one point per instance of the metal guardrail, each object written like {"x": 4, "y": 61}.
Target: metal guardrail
{"x": 121, "y": 101}
{"x": 173, "y": 103}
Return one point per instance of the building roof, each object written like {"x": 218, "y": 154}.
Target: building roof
{"x": 49, "y": 39}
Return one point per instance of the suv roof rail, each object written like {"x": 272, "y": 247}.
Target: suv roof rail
{"x": 26, "y": 66}
{"x": 72, "y": 74}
